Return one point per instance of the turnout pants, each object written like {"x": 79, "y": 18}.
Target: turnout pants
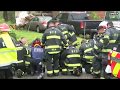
{"x": 97, "y": 66}
{"x": 61, "y": 62}
{"x": 87, "y": 64}
{"x": 104, "y": 64}
{"x": 52, "y": 63}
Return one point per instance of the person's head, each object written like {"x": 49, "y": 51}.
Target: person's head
{"x": 101, "y": 29}
{"x": 36, "y": 42}
{"x": 4, "y": 27}
{"x": 51, "y": 24}
{"x": 23, "y": 40}
{"x": 110, "y": 24}
{"x": 57, "y": 23}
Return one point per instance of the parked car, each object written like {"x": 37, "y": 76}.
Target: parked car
{"x": 44, "y": 20}
{"x": 38, "y": 23}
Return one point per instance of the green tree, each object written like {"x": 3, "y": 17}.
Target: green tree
{"x": 94, "y": 15}
{"x": 5, "y": 15}
{"x": 9, "y": 16}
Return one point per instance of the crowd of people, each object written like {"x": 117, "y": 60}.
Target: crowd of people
{"x": 57, "y": 52}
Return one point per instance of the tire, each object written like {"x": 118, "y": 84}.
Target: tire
{"x": 19, "y": 73}
{"x": 38, "y": 29}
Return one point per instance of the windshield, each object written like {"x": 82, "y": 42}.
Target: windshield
{"x": 112, "y": 15}
{"x": 45, "y": 18}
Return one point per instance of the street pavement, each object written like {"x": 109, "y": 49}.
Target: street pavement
{"x": 83, "y": 76}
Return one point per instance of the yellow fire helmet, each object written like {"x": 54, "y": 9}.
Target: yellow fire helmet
{"x": 4, "y": 27}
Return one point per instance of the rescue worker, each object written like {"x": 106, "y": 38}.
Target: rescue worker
{"x": 68, "y": 31}
{"x": 23, "y": 64}
{"x": 8, "y": 53}
{"x": 97, "y": 61}
{"x": 107, "y": 43}
{"x": 72, "y": 60}
{"x": 86, "y": 52}
{"x": 52, "y": 40}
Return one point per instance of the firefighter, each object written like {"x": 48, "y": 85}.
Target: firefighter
{"x": 68, "y": 31}
{"x": 52, "y": 39}
{"x": 97, "y": 61}
{"x": 8, "y": 53}
{"x": 72, "y": 60}
{"x": 21, "y": 67}
{"x": 86, "y": 52}
{"x": 107, "y": 43}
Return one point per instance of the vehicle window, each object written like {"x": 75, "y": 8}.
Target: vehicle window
{"x": 78, "y": 16}
{"x": 35, "y": 19}
{"x": 47, "y": 18}
{"x": 62, "y": 16}
{"x": 112, "y": 15}
{"x": 59, "y": 16}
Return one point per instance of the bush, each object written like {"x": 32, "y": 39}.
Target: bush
{"x": 13, "y": 34}
{"x": 94, "y": 16}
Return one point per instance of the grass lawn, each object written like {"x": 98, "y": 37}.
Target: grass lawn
{"x": 32, "y": 35}
{"x": 27, "y": 34}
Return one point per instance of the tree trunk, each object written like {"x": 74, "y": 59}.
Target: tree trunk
{"x": 5, "y": 15}
{"x": 11, "y": 16}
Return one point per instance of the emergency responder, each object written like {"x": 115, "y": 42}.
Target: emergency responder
{"x": 107, "y": 43}
{"x": 8, "y": 53}
{"x": 21, "y": 67}
{"x": 52, "y": 39}
{"x": 72, "y": 60}
{"x": 86, "y": 52}
{"x": 97, "y": 61}
{"x": 68, "y": 31}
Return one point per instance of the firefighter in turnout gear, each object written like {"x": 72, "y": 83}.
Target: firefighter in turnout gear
{"x": 72, "y": 61}
{"x": 68, "y": 31}
{"x": 86, "y": 52}
{"x": 97, "y": 61}
{"x": 52, "y": 39}
{"x": 107, "y": 43}
{"x": 23, "y": 56}
{"x": 8, "y": 53}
